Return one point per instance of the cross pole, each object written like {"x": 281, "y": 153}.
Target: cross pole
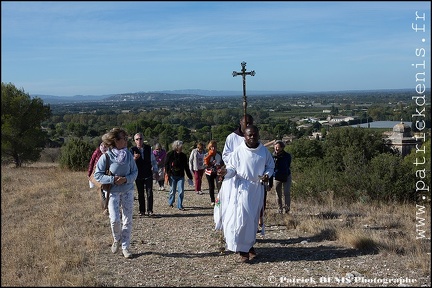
{"x": 244, "y": 73}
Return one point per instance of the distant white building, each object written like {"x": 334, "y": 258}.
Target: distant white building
{"x": 316, "y": 135}
{"x": 337, "y": 119}
{"x": 304, "y": 126}
{"x": 309, "y": 120}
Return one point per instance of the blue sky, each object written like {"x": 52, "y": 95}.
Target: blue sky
{"x": 99, "y": 48}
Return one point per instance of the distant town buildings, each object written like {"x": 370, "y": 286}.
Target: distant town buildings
{"x": 338, "y": 119}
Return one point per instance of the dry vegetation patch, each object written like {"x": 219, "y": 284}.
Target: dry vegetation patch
{"x": 53, "y": 234}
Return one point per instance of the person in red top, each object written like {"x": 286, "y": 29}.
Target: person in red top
{"x": 99, "y": 151}
{"x": 212, "y": 161}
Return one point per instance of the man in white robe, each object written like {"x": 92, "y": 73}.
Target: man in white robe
{"x": 232, "y": 141}
{"x": 249, "y": 164}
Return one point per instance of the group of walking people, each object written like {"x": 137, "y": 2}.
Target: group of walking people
{"x": 237, "y": 176}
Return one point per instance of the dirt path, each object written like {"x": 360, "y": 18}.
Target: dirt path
{"x": 180, "y": 248}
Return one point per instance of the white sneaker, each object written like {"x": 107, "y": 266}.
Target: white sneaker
{"x": 115, "y": 247}
{"x": 126, "y": 253}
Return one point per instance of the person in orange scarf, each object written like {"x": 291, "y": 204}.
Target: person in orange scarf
{"x": 212, "y": 162}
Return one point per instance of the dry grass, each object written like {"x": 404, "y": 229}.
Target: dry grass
{"x": 50, "y": 233}
{"x": 53, "y": 234}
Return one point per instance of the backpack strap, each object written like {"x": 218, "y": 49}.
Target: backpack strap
{"x": 106, "y": 187}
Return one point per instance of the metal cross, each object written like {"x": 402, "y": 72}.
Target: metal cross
{"x": 244, "y": 73}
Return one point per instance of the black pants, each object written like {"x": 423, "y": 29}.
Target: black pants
{"x": 147, "y": 186}
{"x": 211, "y": 179}
{"x": 265, "y": 202}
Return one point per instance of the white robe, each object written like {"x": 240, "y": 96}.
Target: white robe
{"x": 232, "y": 141}
{"x": 242, "y": 213}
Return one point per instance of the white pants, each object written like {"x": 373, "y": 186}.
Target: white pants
{"x": 121, "y": 224}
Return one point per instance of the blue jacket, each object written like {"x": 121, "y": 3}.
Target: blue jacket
{"x": 128, "y": 169}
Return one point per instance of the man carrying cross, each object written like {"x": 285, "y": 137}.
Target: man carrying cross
{"x": 232, "y": 141}
{"x": 249, "y": 165}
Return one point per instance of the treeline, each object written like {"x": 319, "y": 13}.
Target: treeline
{"x": 276, "y": 115}
{"x": 165, "y": 126}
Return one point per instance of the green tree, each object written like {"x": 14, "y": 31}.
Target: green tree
{"x": 76, "y": 154}
{"x": 183, "y": 134}
{"x": 390, "y": 179}
{"x": 342, "y": 141}
{"x": 305, "y": 148}
{"x": 21, "y": 117}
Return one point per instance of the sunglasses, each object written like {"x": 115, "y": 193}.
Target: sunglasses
{"x": 138, "y": 139}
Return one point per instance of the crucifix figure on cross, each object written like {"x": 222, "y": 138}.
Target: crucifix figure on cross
{"x": 244, "y": 73}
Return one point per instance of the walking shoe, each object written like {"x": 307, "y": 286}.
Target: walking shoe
{"x": 126, "y": 253}
{"x": 280, "y": 211}
{"x": 115, "y": 247}
{"x": 212, "y": 203}
{"x": 252, "y": 253}
{"x": 181, "y": 209}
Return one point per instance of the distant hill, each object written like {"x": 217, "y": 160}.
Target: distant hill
{"x": 51, "y": 99}
{"x": 186, "y": 94}
{"x": 219, "y": 93}
{"x": 153, "y": 96}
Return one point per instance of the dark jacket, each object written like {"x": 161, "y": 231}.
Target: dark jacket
{"x": 282, "y": 166}
{"x": 176, "y": 164}
{"x": 145, "y": 169}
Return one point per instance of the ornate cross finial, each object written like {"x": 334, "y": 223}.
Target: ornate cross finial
{"x": 244, "y": 73}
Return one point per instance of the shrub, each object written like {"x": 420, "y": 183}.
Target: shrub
{"x": 76, "y": 154}
{"x": 390, "y": 179}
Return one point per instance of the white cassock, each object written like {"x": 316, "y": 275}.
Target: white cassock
{"x": 232, "y": 141}
{"x": 242, "y": 213}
